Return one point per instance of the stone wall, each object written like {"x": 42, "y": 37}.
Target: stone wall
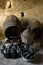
{"x": 3, "y": 3}
{"x": 31, "y": 8}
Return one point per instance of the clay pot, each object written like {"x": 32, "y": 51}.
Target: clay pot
{"x": 2, "y": 48}
{"x": 28, "y": 55}
{"x": 13, "y": 52}
{"x": 7, "y": 53}
{"x": 27, "y": 36}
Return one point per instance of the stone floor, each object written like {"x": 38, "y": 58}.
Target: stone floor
{"x": 20, "y": 61}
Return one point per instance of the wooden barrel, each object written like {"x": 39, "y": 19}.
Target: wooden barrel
{"x": 34, "y": 24}
{"x": 12, "y": 27}
{"x": 35, "y": 27}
